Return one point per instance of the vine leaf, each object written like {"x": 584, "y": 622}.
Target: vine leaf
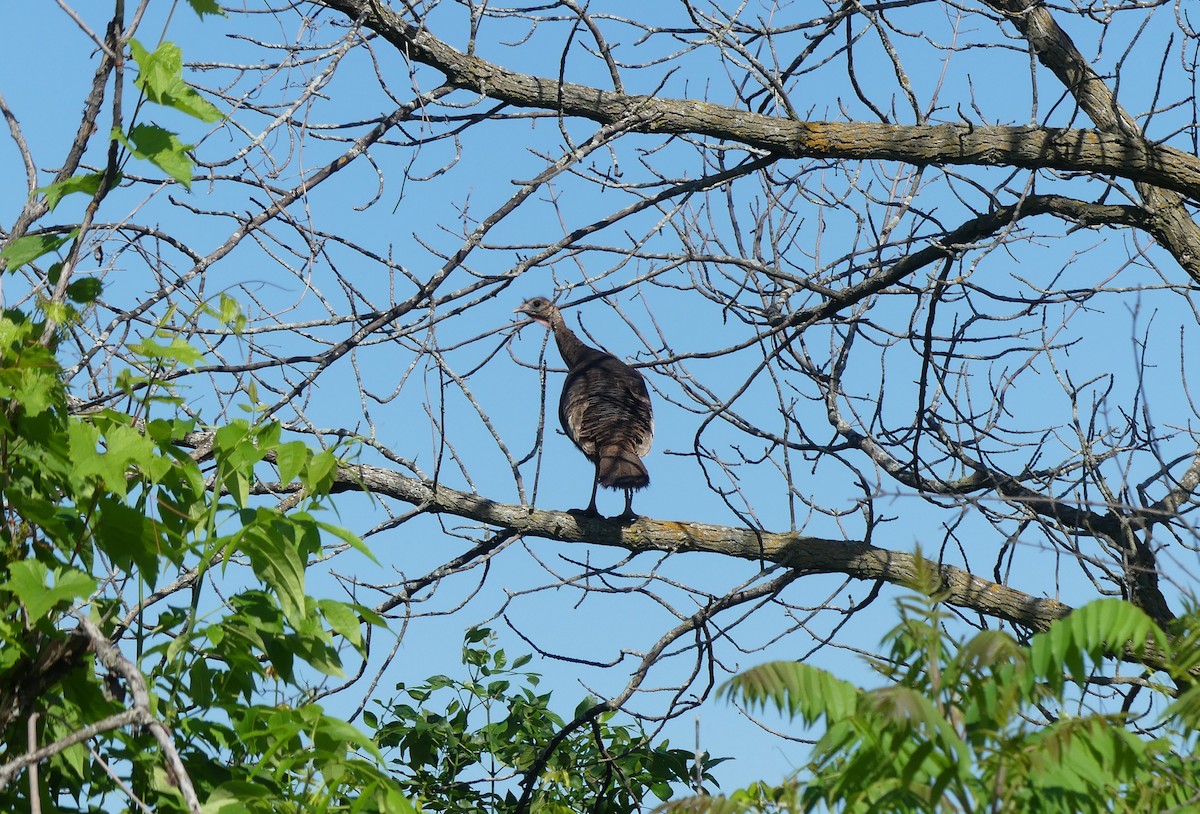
{"x": 202, "y": 7}
{"x": 160, "y": 147}
{"x": 27, "y": 580}
{"x": 88, "y": 184}
{"x": 160, "y": 77}
{"x": 28, "y": 248}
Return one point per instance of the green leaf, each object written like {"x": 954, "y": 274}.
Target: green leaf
{"x": 27, "y": 580}
{"x": 59, "y": 312}
{"x": 342, "y": 619}
{"x": 346, "y": 536}
{"x": 796, "y": 689}
{"x": 316, "y": 650}
{"x": 346, "y": 735}
{"x": 290, "y": 458}
{"x": 128, "y": 445}
{"x": 30, "y": 247}
{"x": 318, "y": 475}
{"x": 89, "y": 460}
{"x": 34, "y": 383}
{"x": 902, "y": 706}
{"x": 85, "y": 290}
{"x": 271, "y": 543}
{"x": 179, "y": 351}
{"x": 76, "y": 758}
{"x": 266, "y": 436}
{"x": 755, "y": 799}
{"x": 1086, "y": 756}
{"x": 202, "y": 7}
{"x": 369, "y": 616}
{"x": 228, "y": 439}
{"x": 234, "y": 796}
{"x": 160, "y": 77}
{"x": 87, "y": 184}
{"x": 989, "y": 650}
{"x": 1099, "y": 629}
{"x": 162, "y": 148}
{"x": 231, "y": 315}
{"x": 1186, "y": 707}
{"x": 128, "y": 537}
{"x": 123, "y": 447}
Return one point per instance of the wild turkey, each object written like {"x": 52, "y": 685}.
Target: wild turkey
{"x": 605, "y": 409}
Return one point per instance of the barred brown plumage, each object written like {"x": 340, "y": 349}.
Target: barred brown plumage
{"x": 604, "y": 409}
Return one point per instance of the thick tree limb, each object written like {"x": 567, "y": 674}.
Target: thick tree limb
{"x": 1173, "y": 227}
{"x": 1107, "y": 153}
{"x": 809, "y": 555}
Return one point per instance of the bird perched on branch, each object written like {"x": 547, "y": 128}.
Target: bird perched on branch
{"x": 604, "y": 409}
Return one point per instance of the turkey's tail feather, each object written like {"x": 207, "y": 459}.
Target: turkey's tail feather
{"x": 618, "y": 468}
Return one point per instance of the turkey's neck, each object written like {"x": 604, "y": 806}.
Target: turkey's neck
{"x": 569, "y": 347}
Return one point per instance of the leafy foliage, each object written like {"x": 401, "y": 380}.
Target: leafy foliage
{"x": 110, "y": 493}
{"x": 160, "y": 78}
{"x": 97, "y": 508}
{"x": 984, "y": 724}
{"x": 468, "y": 751}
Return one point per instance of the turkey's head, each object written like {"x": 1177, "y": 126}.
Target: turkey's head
{"x": 539, "y": 309}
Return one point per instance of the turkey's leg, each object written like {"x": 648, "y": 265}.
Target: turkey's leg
{"x": 628, "y": 515}
{"x": 591, "y": 510}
